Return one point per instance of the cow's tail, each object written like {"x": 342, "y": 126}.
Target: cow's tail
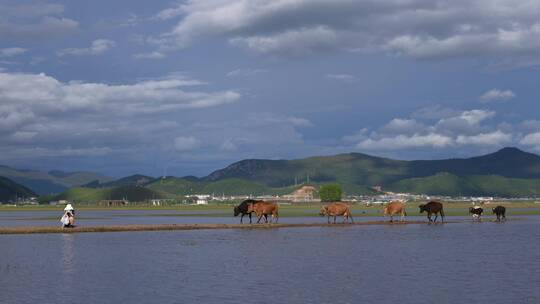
{"x": 276, "y": 210}
{"x": 350, "y": 214}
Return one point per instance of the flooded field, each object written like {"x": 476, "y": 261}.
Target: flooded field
{"x": 461, "y": 262}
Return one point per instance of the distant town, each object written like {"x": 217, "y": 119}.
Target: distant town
{"x": 303, "y": 195}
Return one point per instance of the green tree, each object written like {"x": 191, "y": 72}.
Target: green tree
{"x": 330, "y": 193}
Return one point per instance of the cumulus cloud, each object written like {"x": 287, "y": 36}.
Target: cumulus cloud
{"x": 416, "y": 28}
{"x": 98, "y": 47}
{"x": 402, "y": 126}
{"x": 497, "y": 95}
{"x": 151, "y": 55}
{"x": 187, "y": 143}
{"x": 466, "y": 128}
{"x": 39, "y": 91}
{"x": 34, "y": 21}
{"x": 400, "y": 142}
{"x": 10, "y": 52}
{"x": 467, "y": 122}
{"x": 531, "y": 140}
{"x": 76, "y": 118}
{"x": 496, "y": 138}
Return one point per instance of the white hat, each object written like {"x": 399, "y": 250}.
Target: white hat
{"x": 68, "y": 208}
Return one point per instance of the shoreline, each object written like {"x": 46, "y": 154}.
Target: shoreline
{"x": 178, "y": 227}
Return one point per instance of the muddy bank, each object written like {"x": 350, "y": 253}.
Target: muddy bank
{"x": 169, "y": 227}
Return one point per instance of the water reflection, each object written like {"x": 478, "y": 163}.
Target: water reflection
{"x": 68, "y": 254}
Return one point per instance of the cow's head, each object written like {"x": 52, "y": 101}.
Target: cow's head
{"x": 324, "y": 211}
{"x": 422, "y": 208}
{"x": 236, "y": 210}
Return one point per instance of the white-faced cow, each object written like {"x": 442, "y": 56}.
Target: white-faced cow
{"x": 476, "y": 212}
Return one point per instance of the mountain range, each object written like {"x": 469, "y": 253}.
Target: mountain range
{"x": 507, "y": 172}
{"x": 50, "y": 182}
{"x": 11, "y": 191}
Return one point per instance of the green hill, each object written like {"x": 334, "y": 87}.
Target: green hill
{"x": 10, "y": 190}
{"x": 357, "y": 172}
{"x": 449, "y": 184}
{"x": 131, "y": 193}
{"x": 231, "y": 186}
{"x": 132, "y": 180}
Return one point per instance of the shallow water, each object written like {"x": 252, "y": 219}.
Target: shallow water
{"x": 461, "y": 262}
{"x": 147, "y": 217}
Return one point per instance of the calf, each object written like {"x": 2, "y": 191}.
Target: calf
{"x": 476, "y": 212}
{"x": 500, "y": 211}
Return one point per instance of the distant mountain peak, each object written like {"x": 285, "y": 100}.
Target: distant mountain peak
{"x": 511, "y": 150}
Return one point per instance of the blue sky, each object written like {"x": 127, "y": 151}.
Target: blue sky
{"x": 186, "y": 87}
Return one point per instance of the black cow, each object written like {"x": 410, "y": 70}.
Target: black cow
{"x": 243, "y": 210}
{"x": 500, "y": 211}
{"x": 433, "y": 208}
{"x": 476, "y": 212}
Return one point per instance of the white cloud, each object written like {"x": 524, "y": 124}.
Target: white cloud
{"x": 228, "y": 145}
{"x": 188, "y": 143}
{"x": 342, "y": 77}
{"x": 296, "y": 42}
{"x": 10, "y": 52}
{"x": 170, "y": 13}
{"x": 356, "y": 137}
{"x": 465, "y": 128}
{"x": 34, "y": 21}
{"x": 87, "y": 119}
{"x": 416, "y": 28}
{"x": 45, "y": 93}
{"x": 497, "y": 95}
{"x": 531, "y": 139}
{"x": 151, "y": 55}
{"x": 496, "y": 138}
{"x": 299, "y": 121}
{"x": 98, "y": 47}
{"x": 245, "y": 72}
{"x": 402, "y": 126}
{"x": 466, "y": 122}
{"x": 401, "y": 142}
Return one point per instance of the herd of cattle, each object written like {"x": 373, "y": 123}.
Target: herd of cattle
{"x": 263, "y": 209}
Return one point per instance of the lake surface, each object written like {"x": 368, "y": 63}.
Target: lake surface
{"x": 461, "y": 262}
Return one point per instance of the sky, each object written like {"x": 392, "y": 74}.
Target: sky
{"x": 187, "y": 87}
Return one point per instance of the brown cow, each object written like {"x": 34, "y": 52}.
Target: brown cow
{"x": 433, "y": 207}
{"x": 335, "y": 209}
{"x": 262, "y": 208}
{"x": 393, "y": 208}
